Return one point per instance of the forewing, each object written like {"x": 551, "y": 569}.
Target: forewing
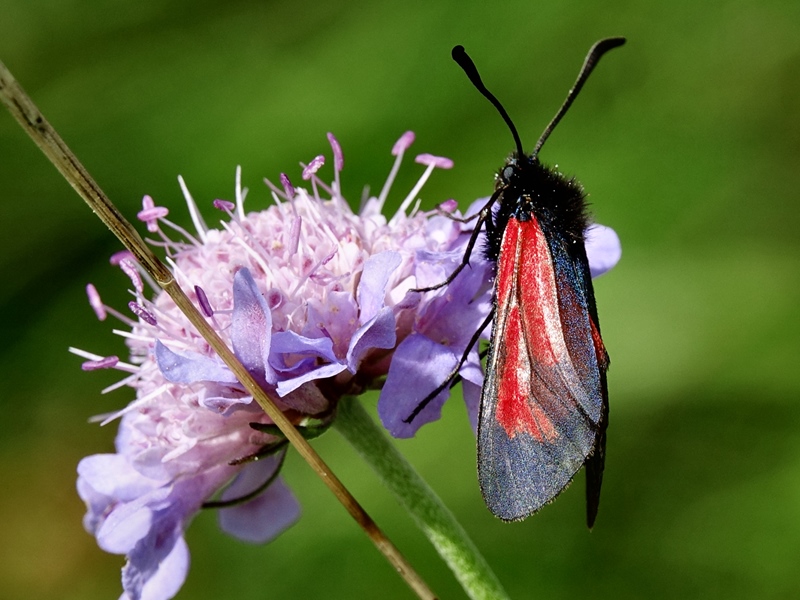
{"x": 542, "y": 403}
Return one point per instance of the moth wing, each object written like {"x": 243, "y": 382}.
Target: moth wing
{"x": 543, "y": 402}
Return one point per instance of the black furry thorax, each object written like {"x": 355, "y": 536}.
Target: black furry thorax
{"x": 528, "y": 188}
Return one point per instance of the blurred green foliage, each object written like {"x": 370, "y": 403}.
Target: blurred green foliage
{"x": 688, "y": 140}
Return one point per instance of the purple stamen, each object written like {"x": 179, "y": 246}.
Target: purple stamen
{"x": 312, "y": 167}
{"x": 225, "y": 205}
{"x": 448, "y": 206}
{"x": 294, "y": 234}
{"x": 143, "y": 314}
{"x": 338, "y": 157}
{"x": 118, "y": 257}
{"x": 95, "y": 302}
{"x": 103, "y": 363}
{"x": 287, "y": 186}
{"x": 403, "y": 143}
{"x": 202, "y": 300}
{"x": 435, "y": 161}
{"x": 129, "y": 268}
{"x": 150, "y": 213}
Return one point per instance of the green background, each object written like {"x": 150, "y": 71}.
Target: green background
{"x": 688, "y": 141}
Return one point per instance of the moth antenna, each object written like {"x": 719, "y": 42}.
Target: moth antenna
{"x": 590, "y": 62}
{"x": 465, "y": 62}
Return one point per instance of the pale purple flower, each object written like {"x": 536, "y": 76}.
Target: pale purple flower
{"x": 317, "y": 302}
{"x": 314, "y": 299}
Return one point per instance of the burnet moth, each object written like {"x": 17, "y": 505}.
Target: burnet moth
{"x": 544, "y": 404}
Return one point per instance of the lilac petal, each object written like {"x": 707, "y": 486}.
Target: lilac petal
{"x": 169, "y": 576}
{"x": 418, "y": 367}
{"x": 251, "y": 327}
{"x": 190, "y": 367}
{"x": 380, "y": 332}
{"x": 147, "y": 574}
{"x": 472, "y": 400}
{"x": 267, "y": 515}
{"x": 289, "y": 342}
{"x": 113, "y": 475}
{"x": 130, "y": 522}
{"x": 332, "y": 318}
{"x": 603, "y": 248}
{"x": 289, "y": 385}
{"x": 374, "y": 278}
{"x": 103, "y": 481}
{"x": 225, "y": 405}
{"x": 306, "y": 399}
{"x": 464, "y": 302}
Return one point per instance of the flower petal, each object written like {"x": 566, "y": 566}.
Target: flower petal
{"x": 418, "y": 367}
{"x": 190, "y": 367}
{"x": 170, "y": 574}
{"x": 289, "y": 385}
{"x": 289, "y": 342}
{"x": 266, "y": 516}
{"x": 603, "y": 248}
{"x": 380, "y": 332}
{"x": 251, "y": 327}
{"x": 374, "y": 278}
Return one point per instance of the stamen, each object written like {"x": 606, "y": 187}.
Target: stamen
{"x": 122, "y": 382}
{"x": 294, "y": 235}
{"x": 287, "y": 186}
{"x": 175, "y": 227}
{"x": 309, "y": 170}
{"x": 115, "y": 258}
{"x": 202, "y": 300}
{"x": 103, "y": 363}
{"x": 95, "y": 302}
{"x": 437, "y": 161}
{"x": 338, "y": 161}
{"x": 432, "y": 162}
{"x": 142, "y": 313}
{"x": 240, "y": 194}
{"x": 224, "y": 205}
{"x": 448, "y": 206}
{"x": 400, "y": 146}
{"x": 404, "y": 143}
{"x": 312, "y": 167}
{"x": 129, "y": 268}
{"x": 150, "y": 213}
{"x": 135, "y": 405}
{"x": 194, "y": 212}
{"x": 91, "y": 357}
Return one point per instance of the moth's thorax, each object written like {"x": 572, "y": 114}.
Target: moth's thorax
{"x": 528, "y": 189}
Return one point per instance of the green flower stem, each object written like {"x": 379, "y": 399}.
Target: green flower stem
{"x": 422, "y": 503}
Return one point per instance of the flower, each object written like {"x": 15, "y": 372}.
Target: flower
{"x": 317, "y": 302}
{"x": 313, "y": 298}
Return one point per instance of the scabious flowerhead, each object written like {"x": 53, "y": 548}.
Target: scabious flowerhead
{"x": 317, "y": 302}
{"x": 314, "y": 299}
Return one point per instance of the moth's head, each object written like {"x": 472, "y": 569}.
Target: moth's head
{"x": 514, "y": 171}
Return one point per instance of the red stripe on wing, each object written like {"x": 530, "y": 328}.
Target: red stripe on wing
{"x": 527, "y": 329}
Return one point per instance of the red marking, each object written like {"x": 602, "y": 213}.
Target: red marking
{"x": 527, "y": 303}
{"x": 599, "y": 347}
